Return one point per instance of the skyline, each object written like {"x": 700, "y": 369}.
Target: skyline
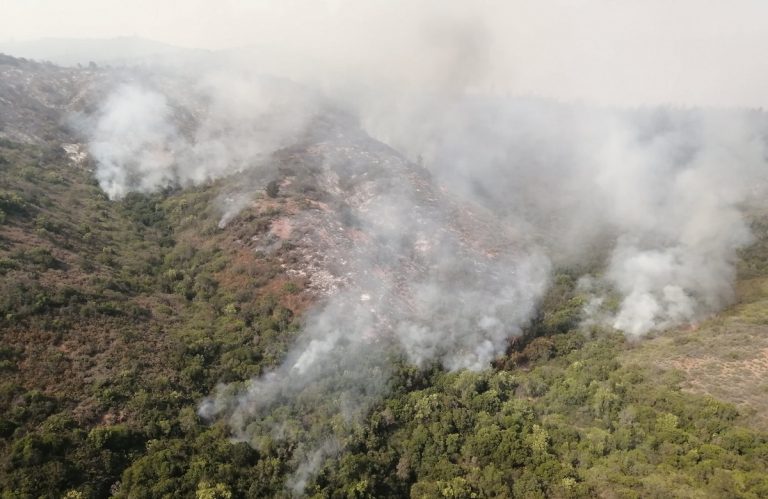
{"x": 605, "y": 52}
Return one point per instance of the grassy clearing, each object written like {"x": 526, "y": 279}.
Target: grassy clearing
{"x": 726, "y": 356}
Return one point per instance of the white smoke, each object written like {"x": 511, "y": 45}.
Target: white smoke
{"x": 676, "y": 198}
{"x": 661, "y": 192}
{"x": 133, "y": 142}
{"x": 420, "y": 290}
{"x": 307, "y": 469}
{"x": 161, "y": 132}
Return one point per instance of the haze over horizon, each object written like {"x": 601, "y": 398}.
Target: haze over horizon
{"x": 612, "y": 53}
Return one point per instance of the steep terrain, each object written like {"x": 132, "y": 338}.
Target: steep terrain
{"x": 117, "y": 318}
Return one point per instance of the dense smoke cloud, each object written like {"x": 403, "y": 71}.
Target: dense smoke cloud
{"x": 132, "y": 142}
{"x": 664, "y": 191}
{"x": 658, "y": 196}
{"x": 156, "y": 132}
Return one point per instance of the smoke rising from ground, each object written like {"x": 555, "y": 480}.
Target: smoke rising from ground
{"x": 154, "y": 133}
{"x": 420, "y": 292}
{"x": 132, "y": 142}
{"x": 660, "y": 192}
{"x": 663, "y": 190}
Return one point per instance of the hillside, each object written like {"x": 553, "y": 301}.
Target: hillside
{"x": 125, "y": 50}
{"x": 120, "y": 317}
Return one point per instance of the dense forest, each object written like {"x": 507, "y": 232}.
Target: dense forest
{"x": 117, "y": 318}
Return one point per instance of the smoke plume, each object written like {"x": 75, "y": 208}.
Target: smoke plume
{"x": 419, "y": 292}
{"x": 155, "y": 131}
{"x": 663, "y": 191}
{"x": 660, "y": 192}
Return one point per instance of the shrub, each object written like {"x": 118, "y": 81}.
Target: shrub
{"x": 12, "y": 203}
{"x": 273, "y": 188}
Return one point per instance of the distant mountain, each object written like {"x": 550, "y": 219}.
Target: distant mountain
{"x": 112, "y": 51}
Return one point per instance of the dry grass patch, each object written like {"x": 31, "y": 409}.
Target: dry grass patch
{"x": 725, "y": 357}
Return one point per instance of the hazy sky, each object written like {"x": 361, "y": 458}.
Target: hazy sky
{"x": 610, "y": 51}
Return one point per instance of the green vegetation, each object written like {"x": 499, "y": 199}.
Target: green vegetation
{"x": 117, "y": 318}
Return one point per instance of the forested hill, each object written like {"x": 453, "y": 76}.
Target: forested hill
{"x": 118, "y": 317}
